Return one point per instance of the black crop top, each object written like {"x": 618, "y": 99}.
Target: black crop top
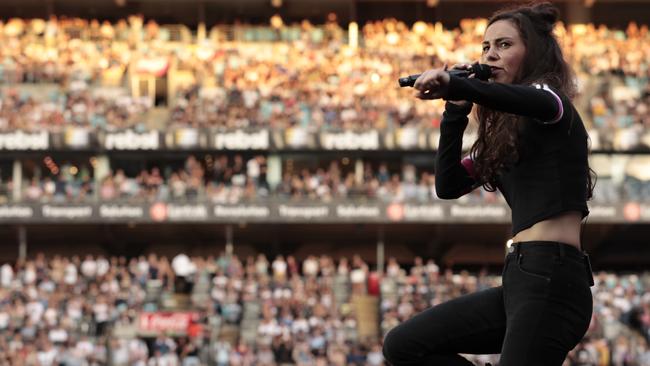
{"x": 551, "y": 174}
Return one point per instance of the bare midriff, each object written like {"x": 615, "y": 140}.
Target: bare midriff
{"x": 564, "y": 228}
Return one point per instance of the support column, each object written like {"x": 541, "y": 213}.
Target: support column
{"x": 380, "y": 251}
{"x": 353, "y": 35}
{"x": 17, "y": 179}
{"x": 273, "y": 171}
{"x": 229, "y": 243}
{"x": 358, "y": 171}
{"x": 22, "y": 243}
{"x": 102, "y": 168}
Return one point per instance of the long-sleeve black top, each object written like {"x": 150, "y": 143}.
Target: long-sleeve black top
{"x": 551, "y": 174}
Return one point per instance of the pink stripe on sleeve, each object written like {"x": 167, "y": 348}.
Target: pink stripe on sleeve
{"x": 468, "y": 164}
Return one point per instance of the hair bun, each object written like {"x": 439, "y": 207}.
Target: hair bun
{"x": 547, "y": 12}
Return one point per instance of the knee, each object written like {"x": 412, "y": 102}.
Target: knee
{"x": 387, "y": 348}
{"x": 393, "y": 345}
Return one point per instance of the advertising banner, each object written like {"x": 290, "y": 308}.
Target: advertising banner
{"x": 282, "y": 211}
{"x": 407, "y": 138}
{"x": 23, "y": 141}
{"x": 241, "y": 140}
{"x": 130, "y": 140}
{"x": 350, "y": 140}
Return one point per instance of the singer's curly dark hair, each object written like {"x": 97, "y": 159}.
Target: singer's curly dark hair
{"x": 497, "y": 145}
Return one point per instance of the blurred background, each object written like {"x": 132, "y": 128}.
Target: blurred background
{"x": 244, "y": 183}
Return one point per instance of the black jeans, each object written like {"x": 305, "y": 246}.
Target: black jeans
{"x": 538, "y": 315}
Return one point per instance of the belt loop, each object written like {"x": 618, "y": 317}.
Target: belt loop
{"x": 517, "y": 249}
{"x": 562, "y": 253}
{"x": 518, "y": 253}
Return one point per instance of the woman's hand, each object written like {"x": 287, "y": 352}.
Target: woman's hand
{"x": 432, "y": 84}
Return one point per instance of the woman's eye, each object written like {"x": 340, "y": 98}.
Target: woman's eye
{"x": 485, "y": 49}
{"x": 504, "y": 44}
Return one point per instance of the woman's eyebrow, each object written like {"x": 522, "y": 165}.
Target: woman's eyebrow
{"x": 497, "y": 40}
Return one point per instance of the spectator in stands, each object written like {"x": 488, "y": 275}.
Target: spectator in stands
{"x": 184, "y": 270}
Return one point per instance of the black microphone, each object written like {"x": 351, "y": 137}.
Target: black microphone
{"x": 480, "y": 71}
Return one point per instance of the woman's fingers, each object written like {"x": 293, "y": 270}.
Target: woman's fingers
{"x": 431, "y": 83}
{"x": 422, "y": 80}
{"x": 428, "y": 80}
{"x": 462, "y": 66}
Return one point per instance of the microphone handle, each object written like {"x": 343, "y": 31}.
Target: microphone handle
{"x": 410, "y": 80}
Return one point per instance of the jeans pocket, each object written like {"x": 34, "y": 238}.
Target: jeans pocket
{"x": 540, "y": 267}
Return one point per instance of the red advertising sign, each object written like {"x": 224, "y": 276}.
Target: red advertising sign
{"x": 166, "y": 322}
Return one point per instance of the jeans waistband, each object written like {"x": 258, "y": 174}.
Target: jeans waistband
{"x": 549, "y": 247}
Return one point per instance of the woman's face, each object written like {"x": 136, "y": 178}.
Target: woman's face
{"x": 503, "y": 50}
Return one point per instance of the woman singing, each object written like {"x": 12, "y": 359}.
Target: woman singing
{"x": 532, "y": 146}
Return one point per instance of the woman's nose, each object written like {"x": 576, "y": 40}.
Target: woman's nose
{"x": 492, "y": 55}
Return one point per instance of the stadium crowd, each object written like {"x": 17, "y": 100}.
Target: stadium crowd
{"x": 76, "y": 106}
{"x": 233, "y": 179}
{"x": 307, "y": 77}
{"x": 70, "y": 310}
{"x": 236, "y": 178}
